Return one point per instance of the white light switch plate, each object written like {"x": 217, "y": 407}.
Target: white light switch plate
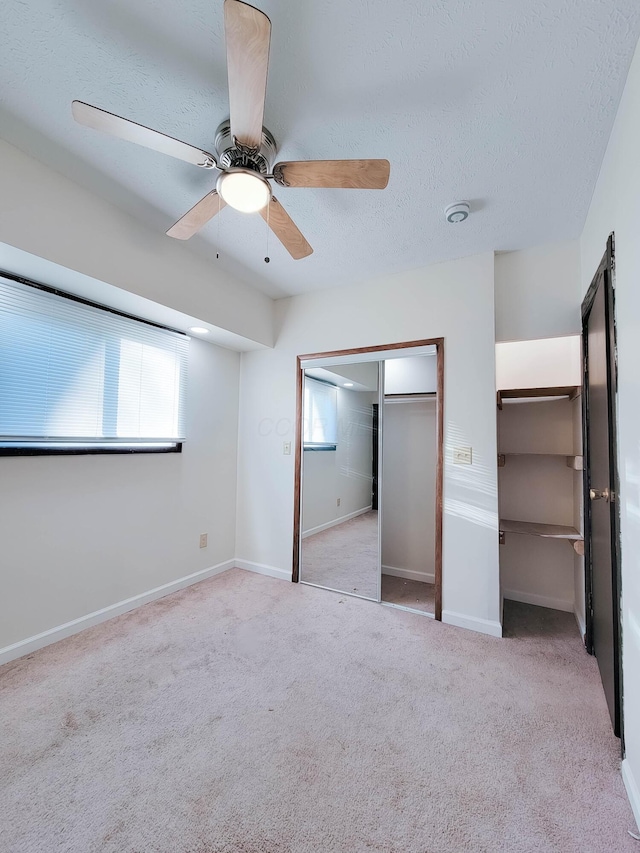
{"x": 286, "y": 448}
{"x": 462, "y": 456}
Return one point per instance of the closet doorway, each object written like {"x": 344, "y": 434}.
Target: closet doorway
{"x": 369, "y": 474}
{"x": 409, "y": 495}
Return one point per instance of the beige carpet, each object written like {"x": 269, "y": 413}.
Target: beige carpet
{"x": 250, "y": 715}
{"x": 344, "y": 557}
{"x": 414, "y": 594}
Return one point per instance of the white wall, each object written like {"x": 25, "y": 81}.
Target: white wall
{"x": 417, "y": 375}
{"x": 542, "y": 363}
{"x": 364, "y": 374}
{"x": 409, "y": 487}
{"x": 47, "y": 215}
{"x": 616, "y": 207}
{"x": 453, "y": 300}
{"x": 538, "y": 292}
{"x": 80, "y": 533}
{"x": 345, "y": 473}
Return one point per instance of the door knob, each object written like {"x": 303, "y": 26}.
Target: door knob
{"x": 596, "y": 494}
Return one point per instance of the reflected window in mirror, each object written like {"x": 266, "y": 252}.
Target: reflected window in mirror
{"x": 320, "y": 422}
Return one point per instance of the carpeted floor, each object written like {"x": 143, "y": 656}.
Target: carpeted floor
{"x": 344, "y": 557}
{"x": 249, "y": 715}
{"x": 415, "y": 594}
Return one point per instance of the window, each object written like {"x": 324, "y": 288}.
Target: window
{"x": 320, "y": 415}
{"x": 75, "y": 377}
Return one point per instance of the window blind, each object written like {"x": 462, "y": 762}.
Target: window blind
{"x": 320, "y": 415}
{"x": 77, "y": 375}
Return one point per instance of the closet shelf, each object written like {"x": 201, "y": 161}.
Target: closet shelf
{"x": 548, "y": 531}
{"x": 574, "y": 462}
{"x": 570, "y": 391}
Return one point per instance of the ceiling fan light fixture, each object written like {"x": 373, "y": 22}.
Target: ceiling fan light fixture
{"x": 243, "y": 190}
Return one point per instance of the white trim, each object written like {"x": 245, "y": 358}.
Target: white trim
{"x": 581, "y": 625}
{"x": 483, "y": 626}
{"x": 538, "y": 600}
{"x": 409, "y": 574}
{"x": 633, "y": 791}
{"x": 262, "y": 569}
{"x": 409, "y": 609}
{"x": 32, "y": 644}
{"x": 369, "y": 355}
{"x": 335, "y": 522}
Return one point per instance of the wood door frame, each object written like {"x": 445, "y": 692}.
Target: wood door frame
{"x": 297, "y": 492}
{"x": 605, "y": 274}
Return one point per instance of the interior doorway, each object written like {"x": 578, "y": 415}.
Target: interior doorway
{"x": 343, "y": 399}
{"x": 601, "y": 490}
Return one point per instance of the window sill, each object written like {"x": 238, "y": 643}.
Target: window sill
{"x": 87, "y": 450}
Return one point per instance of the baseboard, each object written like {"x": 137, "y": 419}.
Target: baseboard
{"x": 335, "y": 522}
{"x": 61, "y": 632}
{"x": 633, "y": 790}
{"x": 408, "y": 574}
{"x": 483, "y": 626}
{"x": 261, "y": 569}
{"x": 538, "y": 600}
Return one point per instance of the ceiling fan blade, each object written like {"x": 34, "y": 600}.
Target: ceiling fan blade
{"x": 344, "y": 174}
{"x": 197, "y": 217}
{"x": 285, "y": 230}
{"x": 248, "y": 34}
{"x": 131, "y": 131}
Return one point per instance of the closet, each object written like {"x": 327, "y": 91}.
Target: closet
{"x": 540, "y": 474}
{"x": 409, "y": 477}
{"x": 368, "y": 518}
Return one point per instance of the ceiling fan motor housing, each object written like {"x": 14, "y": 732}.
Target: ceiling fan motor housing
{"x": 232, "y": 155}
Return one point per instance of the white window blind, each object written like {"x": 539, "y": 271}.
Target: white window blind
{"x": 320, "y": 415}
{"x": 74, "y": 375}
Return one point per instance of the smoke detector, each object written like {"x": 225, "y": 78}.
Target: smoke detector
{"x": 457, "y": 212}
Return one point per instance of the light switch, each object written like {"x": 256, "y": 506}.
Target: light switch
{"x": 286, "y": 448}
{"x": 462, "y": 456}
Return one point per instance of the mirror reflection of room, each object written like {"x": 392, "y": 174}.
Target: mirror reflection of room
{"x": 339, "y": 537}
{"x": 409, "y": 482}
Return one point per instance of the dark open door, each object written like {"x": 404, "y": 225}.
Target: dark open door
{"x": 602, "y": 564}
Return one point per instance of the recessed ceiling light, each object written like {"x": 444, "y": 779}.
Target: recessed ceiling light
{"x": 348, "y": 384}
{"x": 198, "y": 330}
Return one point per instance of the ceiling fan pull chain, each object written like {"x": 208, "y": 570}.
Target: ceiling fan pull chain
{"x": 218, "y": 224}
{"x": 267, "y": 259}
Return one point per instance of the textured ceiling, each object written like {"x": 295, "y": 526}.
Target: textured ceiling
{"x": 505, "y": 103}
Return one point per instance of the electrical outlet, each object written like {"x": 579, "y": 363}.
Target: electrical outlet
{"x": 203, "y": 540}
{"x": 286, "y": 448}
{"x": 462, "y": 456}
{"x": 338, "y": 502}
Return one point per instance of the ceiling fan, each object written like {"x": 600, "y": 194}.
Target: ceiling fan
{"x": 245, "y": 150}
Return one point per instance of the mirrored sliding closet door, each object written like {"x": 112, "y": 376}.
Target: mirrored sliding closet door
{"x": 339, "y": 537}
